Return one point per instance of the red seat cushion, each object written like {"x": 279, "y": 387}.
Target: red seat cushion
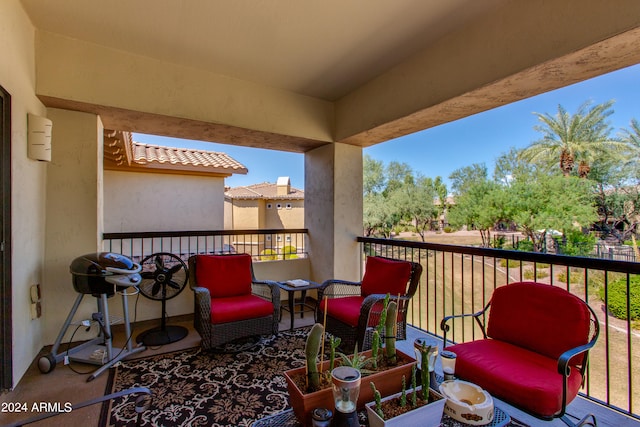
{"x": 233, "y": 309}
{"x": 224, "y": 275}
{"x": 346, "y": 310}
{"x": 524, "y": 378}
{"x": 385, "y": 276}
{"x": 539, "y": 317}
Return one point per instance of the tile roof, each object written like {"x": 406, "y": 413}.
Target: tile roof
{"x": 122, "y": 153}
{"x": 146, "y": 153}
{"x": 263, "y": 190}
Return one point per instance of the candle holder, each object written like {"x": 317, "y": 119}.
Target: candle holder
{"x": 346, "y": 388}
{"x": 448, "y": 364}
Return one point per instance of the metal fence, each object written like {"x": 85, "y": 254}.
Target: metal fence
{"x": 461, "y": 279}
{"x": 262, "y": 245}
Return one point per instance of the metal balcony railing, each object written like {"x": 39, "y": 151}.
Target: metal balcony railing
{"x": 461, "y": 279}
{"x": 262, "y": 245}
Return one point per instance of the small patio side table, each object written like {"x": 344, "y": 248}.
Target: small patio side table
{"x": 302, "y": 302}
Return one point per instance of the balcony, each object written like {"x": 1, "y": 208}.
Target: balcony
{"x": 456, "y": 279}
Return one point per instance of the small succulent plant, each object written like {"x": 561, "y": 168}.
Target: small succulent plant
{"x": 390, "y": 331}
{"x": 378, "y": 399}
{"x": 311, "y": 350}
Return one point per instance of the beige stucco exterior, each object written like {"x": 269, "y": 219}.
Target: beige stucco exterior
{"x": 249, "y": 214}
{"x": 162, "y": 202}
{"x": 520, "y": 49}
{"x": 29, "y": 181}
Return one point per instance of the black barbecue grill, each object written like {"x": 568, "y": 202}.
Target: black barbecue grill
{"x": 101, "y": 275}
{"x": 96, "y": 274}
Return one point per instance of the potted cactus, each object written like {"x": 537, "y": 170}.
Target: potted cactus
{"x": 310, "y": 386}
{"x": 406, "y": 408}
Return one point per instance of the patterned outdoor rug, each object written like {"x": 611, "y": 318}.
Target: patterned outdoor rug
{"x": 198, "y": 388}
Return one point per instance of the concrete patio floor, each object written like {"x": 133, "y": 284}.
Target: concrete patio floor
{"x": 64, "y": 385}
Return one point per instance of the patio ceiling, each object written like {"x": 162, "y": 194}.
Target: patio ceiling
{"x": 356, "y": 71}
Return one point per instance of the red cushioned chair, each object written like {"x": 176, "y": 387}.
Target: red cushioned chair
{"x": 535, "y": 348}
{"x": 353, "y": 308}
{"x": 229, "y": 302}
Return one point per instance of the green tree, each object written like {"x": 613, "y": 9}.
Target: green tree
{"x": 414, "y": 200}
{"x": 479, "y": 202}
{"x": 631, "y": 136}
{"x": 569, "y": 138}
{"x": 377, "y": 215}
{"x": 617, "y": 196}
{"x": 463, "y": 177}
{"x": 510, "y": 165}
{"x": 373, "y": 175}
{"x": 397, "y": 174}
{"x": 440, "y": 188}
{"x": 542, "y": 202}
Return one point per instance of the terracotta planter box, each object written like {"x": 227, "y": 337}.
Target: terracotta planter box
{"x": 427, "y": 415}
{"x": 387, "y": 382}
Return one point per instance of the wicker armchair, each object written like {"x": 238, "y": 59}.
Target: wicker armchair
{"x": 229, "y": 302}
{"x": 353, "y": 308}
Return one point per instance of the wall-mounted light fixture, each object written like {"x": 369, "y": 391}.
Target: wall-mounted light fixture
{"x": 39, "y": 138}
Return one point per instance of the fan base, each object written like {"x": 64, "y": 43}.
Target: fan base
{"x": 159, "y": 336}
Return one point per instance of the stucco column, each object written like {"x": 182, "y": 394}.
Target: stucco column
{"x": 333, "y": 210}
{"x": 74, "y": 212}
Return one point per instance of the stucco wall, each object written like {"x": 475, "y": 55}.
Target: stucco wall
{"x": 17, "y": 76}
{"x": 284, "y": 217}
{"x": 161, "y": 202}
{"x": 246, "y": 215}
{"x": 74, "y": 218}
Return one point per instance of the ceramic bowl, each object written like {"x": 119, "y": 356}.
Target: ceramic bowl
{"x": 467, "y": 402}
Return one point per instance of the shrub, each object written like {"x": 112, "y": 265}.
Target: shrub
{"x": 290, "y": 252}
{"x": 499, "y": 242}
{"x": 524, "y": 246}
{"x": 529, "y": 274}
{"x": 512, "y": 263}
{"x": 617, "y": 294}
{"x": 575, "y": 278}
{"x": 268, "y": 255}
{"x": 448, "y": 230}
{"x": 578, "y": 243}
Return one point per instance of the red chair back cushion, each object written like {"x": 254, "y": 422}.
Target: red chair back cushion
{"x": 385, "y": 276}
{"x": 542, "y": 318}
{"x": 224, "y": 275}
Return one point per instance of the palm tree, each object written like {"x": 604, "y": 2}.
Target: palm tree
{"x": 632, "y": 136}
{"x": 569, "y": 138}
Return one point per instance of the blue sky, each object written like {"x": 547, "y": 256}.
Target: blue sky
{"x": 441, "y": 150}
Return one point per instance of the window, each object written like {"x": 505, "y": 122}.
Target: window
{"x": 288, "y": 205}
{"x": 288, "y": 238}
{"x": 268, "y": 236}
{"x": 278, "y": 206}
{"x": 269, "y": 205}
{"x": 279, "y": 238}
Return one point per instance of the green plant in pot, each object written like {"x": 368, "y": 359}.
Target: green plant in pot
{"x": 408, "y": 407}
{"x": 310, "y": 387}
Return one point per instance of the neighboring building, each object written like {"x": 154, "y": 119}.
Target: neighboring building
{"x": 266, "y": 206}
{"x": 157, "y": 188}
